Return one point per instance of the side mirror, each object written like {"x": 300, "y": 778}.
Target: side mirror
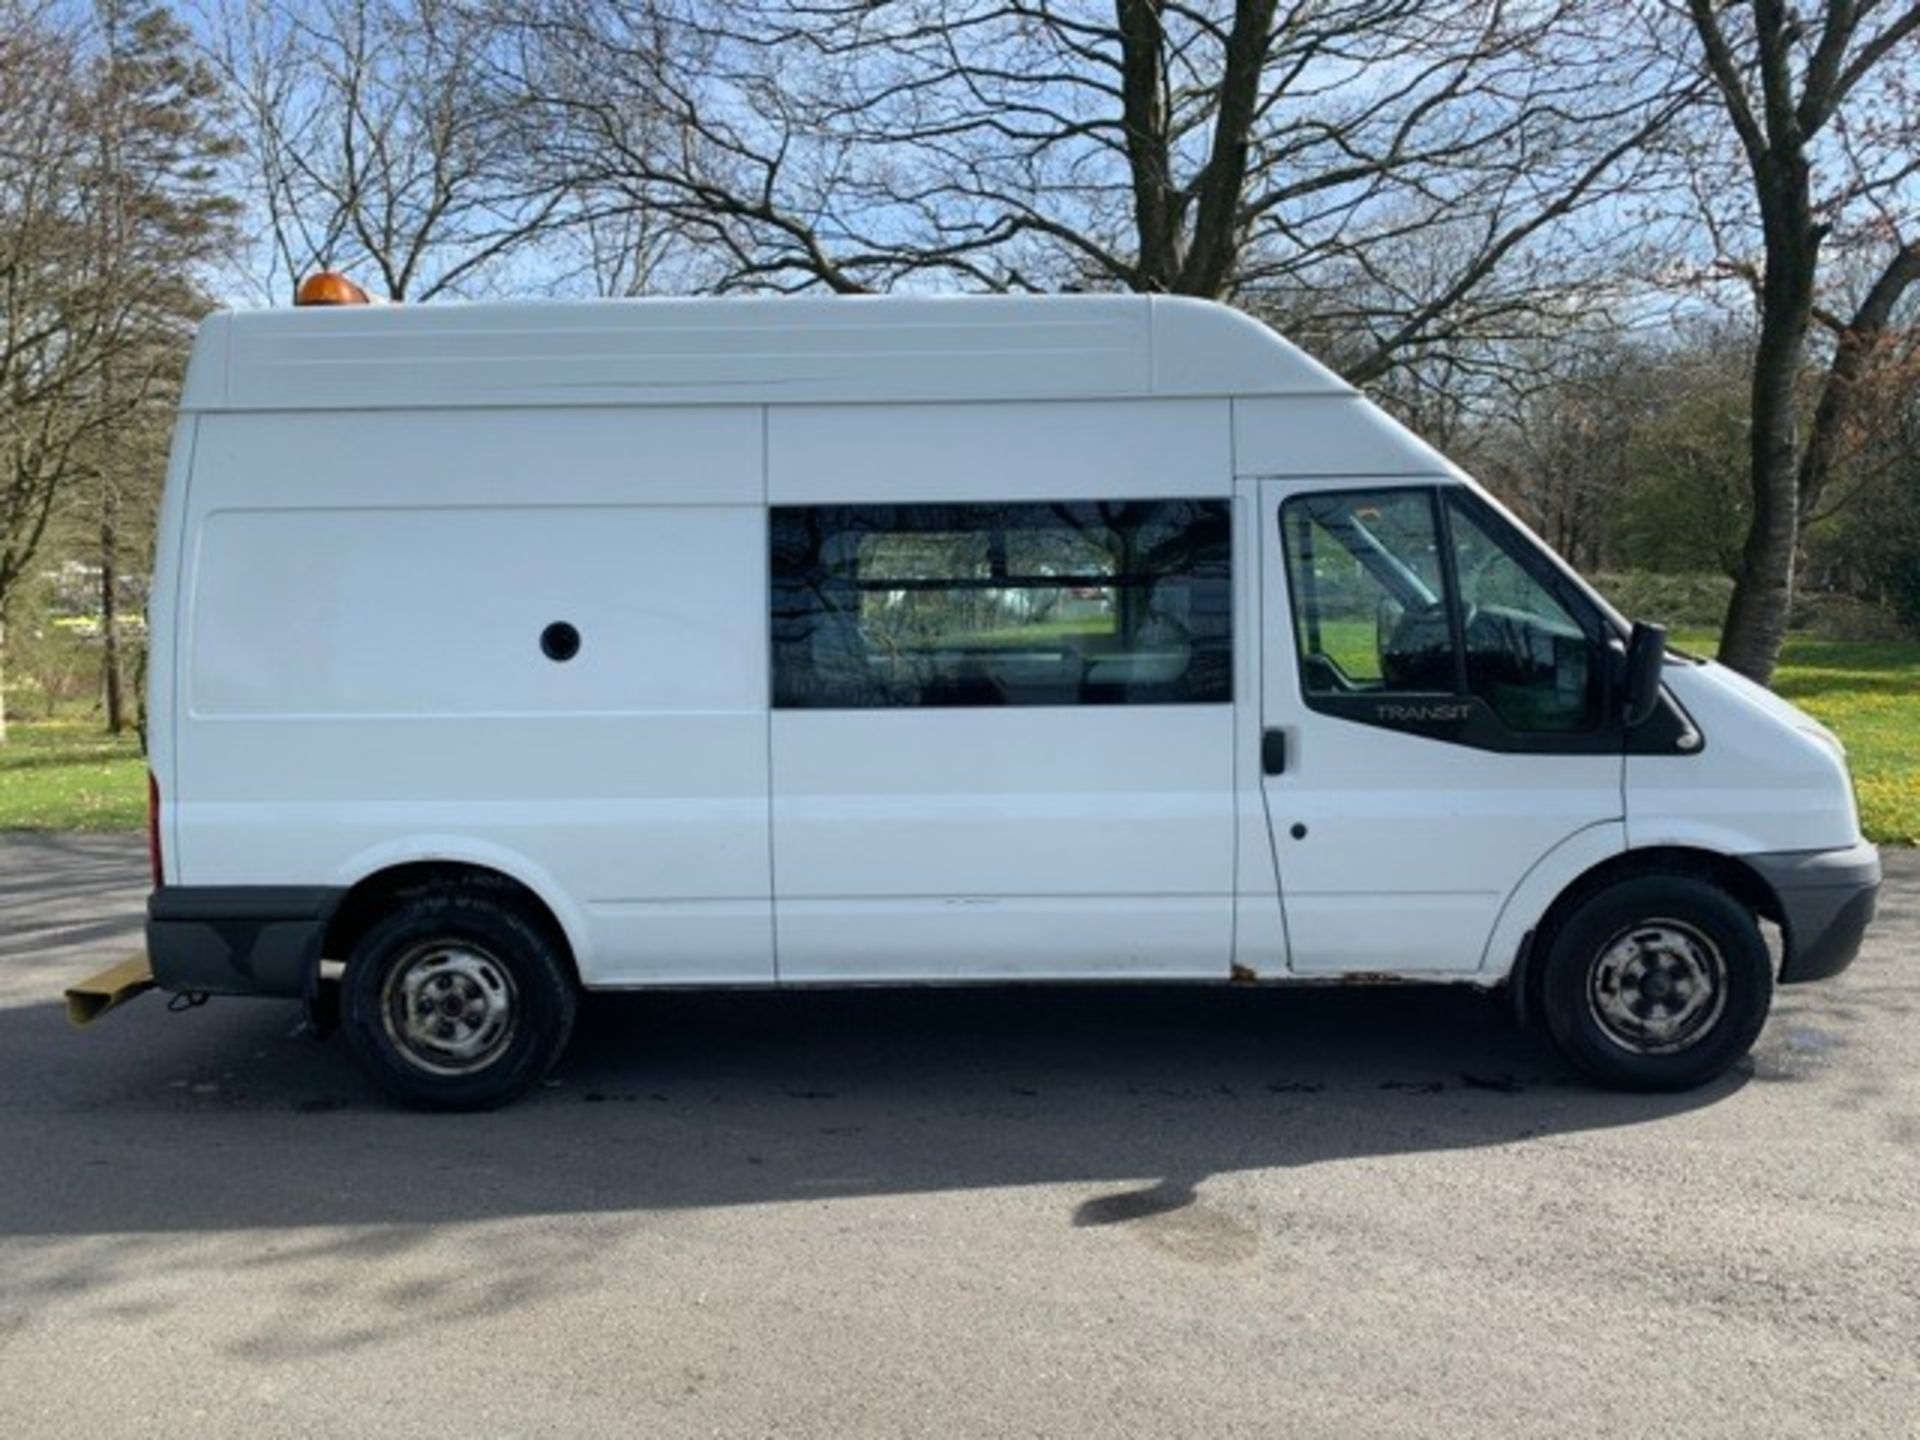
{"x": 1640, "y": 687}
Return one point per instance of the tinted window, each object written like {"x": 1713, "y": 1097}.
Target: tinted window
{"x": 1067, "y": 603}
{"x": 1393, "y": 596}
{"x": 1369, "y": 598}
{"x": 1527, "y": 656}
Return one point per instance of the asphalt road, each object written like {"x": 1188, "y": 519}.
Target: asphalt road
{"x": 1072, "y": 1213}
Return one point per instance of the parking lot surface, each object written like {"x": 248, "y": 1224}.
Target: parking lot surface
{"x": 975, "y": 1212}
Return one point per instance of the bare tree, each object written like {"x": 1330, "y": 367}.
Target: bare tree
{"x": 612, "y": 251}
{"x": 51, "y": 336}
{"x": 1554, "y": 438}
{"x": 157, "y": 137}
{"x": 107, "y": 212}
{"x": 1276, "y": 156}
{"x": 378, "y": 144}
{"x": 1826, "y": 118}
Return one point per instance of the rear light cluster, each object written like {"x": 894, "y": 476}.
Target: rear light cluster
{"x": 153, "y": 831}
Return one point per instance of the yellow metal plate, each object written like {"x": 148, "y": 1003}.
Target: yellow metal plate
{"x": 96, "y": 995}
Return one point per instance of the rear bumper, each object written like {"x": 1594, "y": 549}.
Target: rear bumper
{"x": 1827, "y": 899}
{"x": 238, "y": 939}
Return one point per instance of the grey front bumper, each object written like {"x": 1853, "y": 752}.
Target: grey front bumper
{"x": 1827, "y": 898}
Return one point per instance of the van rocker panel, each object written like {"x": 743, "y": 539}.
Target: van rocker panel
{"x": 238, "y": 939}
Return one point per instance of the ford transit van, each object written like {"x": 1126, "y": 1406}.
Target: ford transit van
{"x": 507, "y": 652}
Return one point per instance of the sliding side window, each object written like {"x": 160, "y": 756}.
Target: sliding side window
{"x": 1060, "y": 603}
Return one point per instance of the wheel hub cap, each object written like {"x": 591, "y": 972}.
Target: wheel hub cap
{"x": 450, "y": 1007}
{"x": 1658, "y": 987}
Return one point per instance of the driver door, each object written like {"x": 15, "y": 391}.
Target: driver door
{"x": 1442, "y": 708}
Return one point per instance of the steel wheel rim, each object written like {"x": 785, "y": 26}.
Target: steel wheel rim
{"x": 450, "y": 1007}
{"x": 1657, "y": 987}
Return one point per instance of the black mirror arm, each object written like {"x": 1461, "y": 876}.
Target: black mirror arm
{"x": 1640, "y": 690}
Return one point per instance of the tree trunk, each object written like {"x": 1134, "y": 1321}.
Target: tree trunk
{"x": 113, "y": 234}
{"x": 1853, "y": 360}
{"x": 1144, "y": 109}
{"x": 1757, "y": 615}
{"x": 115, "y": 673}
{"x": 1221, "y": 185}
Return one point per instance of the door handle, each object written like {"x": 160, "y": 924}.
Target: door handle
{"x": 1273, "y": 752}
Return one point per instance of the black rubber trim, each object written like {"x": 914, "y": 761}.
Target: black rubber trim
{"x": 1827, "y": 900}
{"x": 1832, "y": 948}
{"x": 243, "y": 902}
{"x": 1521, "y": 982}
{"x": 1670, "y": 730}
{"x": 238, "y": 939}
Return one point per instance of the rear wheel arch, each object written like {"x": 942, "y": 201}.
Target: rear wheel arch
{"x": 376, "y": 895}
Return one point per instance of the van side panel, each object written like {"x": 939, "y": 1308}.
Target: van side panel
{"x": 363, "y": 683}
{"x": 1095, "y": 450}
{"x": 1003, "y": 841}
{"x": 1326, "y": 435}
{"x": 163, "y": 626}
{"x": 745, "y": 350}
{"x": 1044, "y": 843}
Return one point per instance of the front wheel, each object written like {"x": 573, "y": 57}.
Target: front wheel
{"x": 456, "y": 1000}
{"x": 1657, "y": 982}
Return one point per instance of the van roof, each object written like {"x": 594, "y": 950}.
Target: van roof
{"x": 741, "y": 351}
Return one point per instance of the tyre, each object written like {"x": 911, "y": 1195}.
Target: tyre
{"x": 1657, "y": 982}
{"x": 456, "y": 1000}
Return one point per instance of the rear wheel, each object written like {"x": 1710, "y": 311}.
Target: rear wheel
{"x": 456, "y": 1000}
{"x": 1657, "y": 982}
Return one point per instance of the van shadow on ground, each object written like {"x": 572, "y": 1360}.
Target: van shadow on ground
{"x": 226, "y": 1118}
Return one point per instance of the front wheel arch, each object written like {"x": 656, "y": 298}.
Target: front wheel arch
{"x": 1727, "y": 872}
{"x": 1657, "y": 981}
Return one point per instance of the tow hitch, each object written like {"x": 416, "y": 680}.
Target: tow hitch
{"x": 110, "y": 989}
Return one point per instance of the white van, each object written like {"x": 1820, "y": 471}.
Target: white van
{"x": 503, "y": 652}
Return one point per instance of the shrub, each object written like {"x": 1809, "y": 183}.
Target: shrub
{"x": 1699, "y": 602}
{"x": 1680, "y": 602}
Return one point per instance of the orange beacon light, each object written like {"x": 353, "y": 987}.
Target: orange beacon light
{"x": 329, "y": 287}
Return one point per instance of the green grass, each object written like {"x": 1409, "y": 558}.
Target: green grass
{"x": 69, "y": 775}
{"x": 1868, "y": 693}
{"x": 66, "y": 775}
